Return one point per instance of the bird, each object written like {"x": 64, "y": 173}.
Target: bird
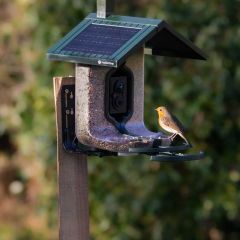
{"x": 170, "y": 123}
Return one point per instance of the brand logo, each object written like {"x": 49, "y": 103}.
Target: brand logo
{"x": 105, "y": 63}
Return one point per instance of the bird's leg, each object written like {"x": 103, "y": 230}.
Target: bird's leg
{"x": 173, "y": 136}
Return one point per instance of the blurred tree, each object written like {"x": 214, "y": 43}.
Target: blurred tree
{"x": 129, "y": 198}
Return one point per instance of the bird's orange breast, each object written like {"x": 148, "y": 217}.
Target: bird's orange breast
{"x": 160, "y": 114}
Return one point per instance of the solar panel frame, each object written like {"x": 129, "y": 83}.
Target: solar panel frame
{"x": 57, "y": 52}
{"x": 100, "y": 39}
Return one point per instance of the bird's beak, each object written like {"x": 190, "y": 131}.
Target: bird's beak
{"x": 155, "y": 109}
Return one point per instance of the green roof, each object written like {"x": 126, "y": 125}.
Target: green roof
{"x": 152, "y": 33}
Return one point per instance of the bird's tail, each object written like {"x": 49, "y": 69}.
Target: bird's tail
{"x": 181, "y": 135}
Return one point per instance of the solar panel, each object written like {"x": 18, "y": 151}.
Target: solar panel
{"x": 101, "y": 39}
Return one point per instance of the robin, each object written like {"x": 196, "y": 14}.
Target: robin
{"x": 170, "y": 123}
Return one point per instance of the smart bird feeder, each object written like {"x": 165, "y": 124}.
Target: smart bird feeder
{"x": 104, "y": 110}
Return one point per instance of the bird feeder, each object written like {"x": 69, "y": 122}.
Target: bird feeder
{"x": 102, "y": 113}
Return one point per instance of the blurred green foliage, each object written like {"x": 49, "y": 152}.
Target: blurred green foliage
{"x": 129, "y": 198}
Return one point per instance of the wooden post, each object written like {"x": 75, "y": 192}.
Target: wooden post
{"x": 72, "y": 180}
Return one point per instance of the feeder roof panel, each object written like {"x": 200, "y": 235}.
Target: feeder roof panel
{"x": 108, "y": 42}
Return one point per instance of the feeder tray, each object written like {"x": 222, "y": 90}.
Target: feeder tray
{"x": 177, "y": 157}
{"x": 168, "y": 154}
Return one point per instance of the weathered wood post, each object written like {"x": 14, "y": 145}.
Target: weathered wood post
{"x": 72, "y": 180}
